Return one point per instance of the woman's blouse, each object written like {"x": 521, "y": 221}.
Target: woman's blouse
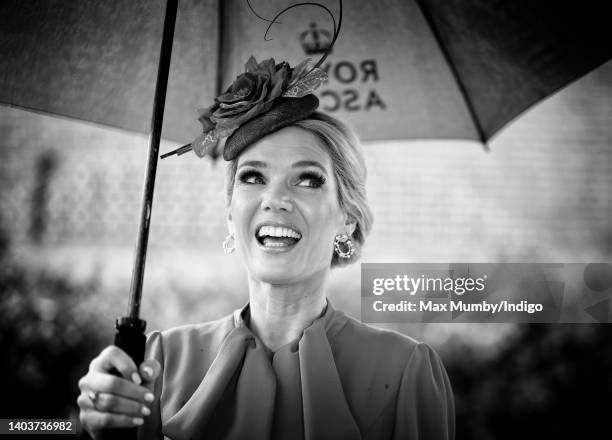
{"x": 340, "y": 380}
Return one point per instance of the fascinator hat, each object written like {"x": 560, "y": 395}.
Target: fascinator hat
{"x": 265, "y": 98}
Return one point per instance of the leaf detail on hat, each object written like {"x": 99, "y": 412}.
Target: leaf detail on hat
{"x": 307, "y": 84}
{"x": 205, "y": 143}
{"x": 300, "y": 70}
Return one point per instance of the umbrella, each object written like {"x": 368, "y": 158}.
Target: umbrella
{"x": 401, "y": 69}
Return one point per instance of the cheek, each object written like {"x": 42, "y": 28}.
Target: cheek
{"x": 241, "y": 210}
{"x": 327, "y": 222}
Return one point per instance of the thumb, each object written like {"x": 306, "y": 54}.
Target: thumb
{"x": 149, "y": 370}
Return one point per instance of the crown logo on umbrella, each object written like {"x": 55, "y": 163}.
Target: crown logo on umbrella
{"x": 316, "y": 41}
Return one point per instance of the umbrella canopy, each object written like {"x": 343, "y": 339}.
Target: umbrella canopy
{"x": 97, "y": 60}
{"x": 400, "y": 69}
{"x": 425, "y": 69}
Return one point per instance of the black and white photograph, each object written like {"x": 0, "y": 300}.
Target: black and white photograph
{"x": 273, "y": 219}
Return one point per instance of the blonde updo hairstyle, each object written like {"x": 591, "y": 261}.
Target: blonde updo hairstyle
{"x": 349, "y": 170}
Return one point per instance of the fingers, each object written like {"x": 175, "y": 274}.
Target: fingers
{"x": 149, "y": 371}
{"x": 107, "y": 383}
{"x": 112, "y": 403}
{"x": 95, "y": 421}
{"x": 99, "y": 379}
{"x": 114, "y": 358}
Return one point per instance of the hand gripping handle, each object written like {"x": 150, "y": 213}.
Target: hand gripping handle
{"x": 130, "y": 338}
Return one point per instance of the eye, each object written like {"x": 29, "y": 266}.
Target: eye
{"x": 251, "y": 177}
{"x": 311, "y": 180}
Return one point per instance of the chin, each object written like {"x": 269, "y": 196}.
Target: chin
{"x": 275, "y": 272}
{"x": 275, "y": 278}
{"x": 285, "y": 272}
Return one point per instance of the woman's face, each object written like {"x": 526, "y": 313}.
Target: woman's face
{"x": 284, "y": 210}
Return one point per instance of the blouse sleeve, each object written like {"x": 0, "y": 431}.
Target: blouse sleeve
{"x": 425, "y": 406}
{"x": 151, "y": 429}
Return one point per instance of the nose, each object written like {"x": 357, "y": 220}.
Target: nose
{"x": 277, "y": 198}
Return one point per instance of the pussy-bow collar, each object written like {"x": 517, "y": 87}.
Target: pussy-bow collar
{"x": 235, "y": 400}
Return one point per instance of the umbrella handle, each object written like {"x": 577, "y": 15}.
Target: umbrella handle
{"x": 130, "y": 337}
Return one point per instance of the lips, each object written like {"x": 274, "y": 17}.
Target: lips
{"x": 277, "y": 235}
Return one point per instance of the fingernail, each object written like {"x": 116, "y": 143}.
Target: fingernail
{"x": 148, "y": 371}
{"x": 145, "y": 411}
{"x": 138, "y": 421}
{"x": 136, "y": 378}
{"x": 149, "y": 397}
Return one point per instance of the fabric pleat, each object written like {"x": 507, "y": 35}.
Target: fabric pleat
{"x": 326, "y": 412}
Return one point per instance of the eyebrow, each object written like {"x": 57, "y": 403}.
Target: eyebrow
{"x": 300, "y": 164}
{"x": 309, "y": 163}
{"x": 253, "y": 163}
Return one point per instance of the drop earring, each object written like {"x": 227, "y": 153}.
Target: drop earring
{"x": 229, "y": 244}
{"x": 344, "y": 246}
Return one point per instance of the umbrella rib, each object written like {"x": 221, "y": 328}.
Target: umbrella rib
{"x": 455, "y": 73}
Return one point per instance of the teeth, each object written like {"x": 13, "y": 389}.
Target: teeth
{"x": 274, "y": 244}
{"x": 277, "y": 231}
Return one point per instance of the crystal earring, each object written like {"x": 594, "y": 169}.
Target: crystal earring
{"x": 344, "y": 246}
{"x": 229, "y": 244}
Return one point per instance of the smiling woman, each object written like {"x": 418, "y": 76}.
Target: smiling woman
{"x": 346, "y": 167}
{"x": 285, "y": 183}
{"x": 287, "y": 365}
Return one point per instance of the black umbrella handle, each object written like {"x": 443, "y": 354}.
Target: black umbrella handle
{"x": 130, "y": 337}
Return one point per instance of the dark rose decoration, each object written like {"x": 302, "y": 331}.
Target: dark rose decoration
{"x": 251, "y": 94}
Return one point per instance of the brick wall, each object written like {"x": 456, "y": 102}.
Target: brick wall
{"x": 93, "y": 187}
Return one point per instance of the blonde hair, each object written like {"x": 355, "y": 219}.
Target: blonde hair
{"x": 349, "y": 169}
